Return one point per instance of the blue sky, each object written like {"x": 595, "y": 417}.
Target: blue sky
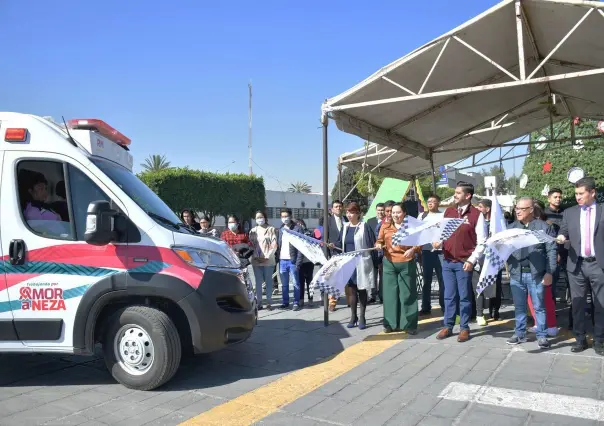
{"x": 174, "y": 78}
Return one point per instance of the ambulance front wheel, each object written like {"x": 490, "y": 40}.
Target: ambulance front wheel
{"x": 141, "y": 347}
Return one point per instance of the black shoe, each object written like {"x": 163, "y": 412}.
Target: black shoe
{"x": 579, "y": 346}
{"x": 496, "y": 316}
{"x": 387, "y": 329}
{"x": 371, "y": 301}
{"x": 599, "y": 348}
{"x": 284, "y": 306}
{"x": 424, "y": 313}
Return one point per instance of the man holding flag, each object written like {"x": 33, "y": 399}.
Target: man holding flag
{"x": 461, "y": 251}
{"x": 531, "y": 269}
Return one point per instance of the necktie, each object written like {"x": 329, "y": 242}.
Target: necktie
{"x": 587, "y": 236}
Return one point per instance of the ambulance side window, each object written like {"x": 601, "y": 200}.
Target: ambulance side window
{"x": 42, "y": 198}
{"x": 83, "y": 192}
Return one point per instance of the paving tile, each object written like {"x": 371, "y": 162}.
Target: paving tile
{"x": 423, "y": 404}
{"x": 405, "y": 418}
{"x": 305, "y": 404}
{"x": 434, "y": 421}
{"x": 284, "y": 419}
{"x": 448, "y": 409}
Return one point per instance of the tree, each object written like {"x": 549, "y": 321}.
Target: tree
{"x": 561, "y": 157}
{"x": 348, "y": 182}
{"x": 213, "y": 194}
{"x": 300, "y": 187}
{"x": 369, "y": 183}
{"x": 155, "y": 163}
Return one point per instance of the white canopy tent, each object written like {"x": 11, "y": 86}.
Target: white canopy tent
{"x": 518, "y": 67}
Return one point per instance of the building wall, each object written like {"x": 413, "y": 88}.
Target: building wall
{"x": 308, "y": 207}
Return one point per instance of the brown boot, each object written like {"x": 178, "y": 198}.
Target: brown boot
{"x": 464, "y": 336}
{"x": 444, "y": 333}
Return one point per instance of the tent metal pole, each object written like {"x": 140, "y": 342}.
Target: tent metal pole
{"x": 339, "y": 180}
{"x": 325, "y": 122}
{"x": 433, "y": 172}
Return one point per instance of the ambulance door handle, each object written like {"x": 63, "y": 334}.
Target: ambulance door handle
{"x": 16, "y": 252}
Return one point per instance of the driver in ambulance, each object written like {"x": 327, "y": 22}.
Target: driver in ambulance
{"x": 36, "y": 208}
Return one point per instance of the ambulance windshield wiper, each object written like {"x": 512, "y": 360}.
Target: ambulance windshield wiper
{"x": 164, "y": 220}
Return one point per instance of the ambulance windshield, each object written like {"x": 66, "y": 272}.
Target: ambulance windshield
{"x": 142, "y": 195}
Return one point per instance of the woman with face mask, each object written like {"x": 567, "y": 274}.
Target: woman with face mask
{"x": 234, "y": 234}
{"x": 263, "y": 238}
{"x": 204, "y": 227}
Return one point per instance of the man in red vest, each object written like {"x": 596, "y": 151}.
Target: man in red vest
{"x": 461, "y": 251}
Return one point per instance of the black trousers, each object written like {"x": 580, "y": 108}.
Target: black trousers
{"x": 305, "y": 275}
{"x": 356, "y": 296}
{"x": 587, "y": 276}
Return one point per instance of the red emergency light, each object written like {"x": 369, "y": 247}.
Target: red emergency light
{"x": 101, "y": 127}
{"x": 15, "y": 135}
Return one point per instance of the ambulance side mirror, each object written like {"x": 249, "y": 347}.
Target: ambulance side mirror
{"x": 100, "y": 227}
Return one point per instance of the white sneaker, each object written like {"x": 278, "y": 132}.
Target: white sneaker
{"x": 552, "y": 331}
{"x": 533, "y": 329}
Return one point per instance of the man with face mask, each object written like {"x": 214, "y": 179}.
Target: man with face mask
{"x": 290, "y": 261}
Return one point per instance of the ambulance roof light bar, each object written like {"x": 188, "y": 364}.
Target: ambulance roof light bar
{"x": 102, "y": 128}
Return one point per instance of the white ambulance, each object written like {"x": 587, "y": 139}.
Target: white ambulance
{"x": 92, "y": 255}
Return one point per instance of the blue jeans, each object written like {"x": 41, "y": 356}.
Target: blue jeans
{"x": 286, "y": 269}
{"x": 432, "y": 262}
{"x": 263, "y": 274}
{"x": 458, "y": 288}
{"x": 521, "y": 287}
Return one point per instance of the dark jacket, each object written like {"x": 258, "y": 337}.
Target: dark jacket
{"x": 368, "y": 239}
{"x": 541, "y": 257}
{"x": 294, "y": 255}
{"x": 571, "y": 229}
{"x": 332, "y": 231}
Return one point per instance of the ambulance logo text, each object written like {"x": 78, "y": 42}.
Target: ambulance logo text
{"x": 42, "y": 299}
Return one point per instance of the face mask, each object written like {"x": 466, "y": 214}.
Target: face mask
{"x": 260, "y": 221}
{"x": 233, "y": 226}
{"x": 285, "y": 220}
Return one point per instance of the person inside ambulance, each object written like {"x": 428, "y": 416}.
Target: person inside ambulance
{"x": 38, "y": 213}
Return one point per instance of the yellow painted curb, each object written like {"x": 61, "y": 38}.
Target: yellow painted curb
{"x": 257, "y": 404}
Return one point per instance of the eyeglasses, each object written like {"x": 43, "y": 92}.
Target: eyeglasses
{"x": 523, "y": 209}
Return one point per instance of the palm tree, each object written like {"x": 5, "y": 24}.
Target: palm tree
{"x": 300, "y": 187}
{"x": 155, "y": 163}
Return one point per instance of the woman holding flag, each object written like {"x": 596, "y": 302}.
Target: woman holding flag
{"x": 355, "y": 235}
{"x": 400, "y": 277}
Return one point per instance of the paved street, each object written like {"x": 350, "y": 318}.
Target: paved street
{"x": 374, "y": 379}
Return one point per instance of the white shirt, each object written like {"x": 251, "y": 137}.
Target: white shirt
{"x": 592, "y": 227}
{"x": 433, "y": 217}
{"x": 284, "y": 252}
{"x": 338, "y": 222}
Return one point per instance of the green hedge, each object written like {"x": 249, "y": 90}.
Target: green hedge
{"x": 210, "y": 193}
{"x": 563, "y": 156}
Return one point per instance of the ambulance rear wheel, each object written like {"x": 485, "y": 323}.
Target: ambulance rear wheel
{"x": 141, "y": 347}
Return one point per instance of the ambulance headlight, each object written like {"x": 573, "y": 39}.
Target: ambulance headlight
{"x": 203, "y": 258}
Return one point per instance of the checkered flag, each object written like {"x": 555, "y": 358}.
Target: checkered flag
{"x": 426, "y": 233}
{"x": 335, "y": 274}
{"x": 449, "y": 228}
{"x": 500, "y": 246}
{"x": 492, "y": 265}
{"x": 308, "y": 246}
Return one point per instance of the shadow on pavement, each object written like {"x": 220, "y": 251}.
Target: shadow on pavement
{"x": 276, "y": 347}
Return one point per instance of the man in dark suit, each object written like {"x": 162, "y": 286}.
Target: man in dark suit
{"x": 582, "y": 226}
{"x": 374, "y": 223}
{"x": 333, "y": 228}
{"x": 335, "y": 222}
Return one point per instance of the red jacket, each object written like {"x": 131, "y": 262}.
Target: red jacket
{"x": 460, "y": 246}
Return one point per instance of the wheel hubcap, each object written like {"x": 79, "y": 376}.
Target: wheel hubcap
{"x": 134, "y": 349}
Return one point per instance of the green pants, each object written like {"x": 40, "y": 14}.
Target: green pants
{"x": 400, "y": 295}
